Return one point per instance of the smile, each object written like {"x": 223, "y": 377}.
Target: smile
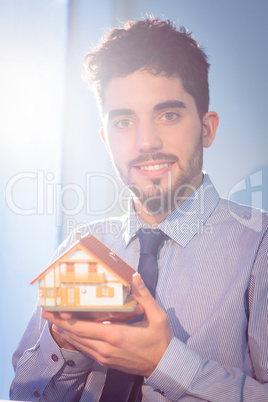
{"x": 155, "y": 167}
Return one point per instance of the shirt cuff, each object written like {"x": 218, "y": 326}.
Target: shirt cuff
{"x": 175, "y": 371}
{"x": 73, "y": 362}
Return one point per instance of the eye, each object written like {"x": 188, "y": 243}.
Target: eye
{"x": 170, "y": 116}
{"x": 124, "y": 123}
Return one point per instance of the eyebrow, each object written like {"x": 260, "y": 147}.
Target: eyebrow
{"x": 119, "y": 112}
{"x": 171, "y": 104}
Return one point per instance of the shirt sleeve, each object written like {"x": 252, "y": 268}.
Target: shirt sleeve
{"x": 42, "y": 369}
{"x": 183, "y": 372}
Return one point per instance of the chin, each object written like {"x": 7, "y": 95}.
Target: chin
{"x": 156, "y": 202}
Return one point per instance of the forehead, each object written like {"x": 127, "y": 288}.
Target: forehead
{"x": 141, "y": 90}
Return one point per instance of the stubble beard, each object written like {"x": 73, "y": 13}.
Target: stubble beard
{"x": 156, "y": 199}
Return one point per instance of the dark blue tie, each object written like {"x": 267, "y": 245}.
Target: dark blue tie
{"x": 120, "y": 386}
{"x": 150, "y": 240}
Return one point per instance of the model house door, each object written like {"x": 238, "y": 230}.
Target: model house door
{"x": 70, "y": 296}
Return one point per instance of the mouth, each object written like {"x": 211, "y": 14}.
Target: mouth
{"x": 153, "y": 168}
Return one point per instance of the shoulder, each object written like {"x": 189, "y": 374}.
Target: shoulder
{"x": 106, "y": 230}
{"x": 242, "y": 216}
{"x": 243, "y": 224}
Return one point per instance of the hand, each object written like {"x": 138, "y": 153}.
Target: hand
{"x": 135, "y": 348}
{"x": 89, "y": 316}
{"x": 97, "y": 316}
{"x": 61, "y": 341}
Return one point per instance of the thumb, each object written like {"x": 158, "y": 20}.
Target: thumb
{"x": 143, "y": 296}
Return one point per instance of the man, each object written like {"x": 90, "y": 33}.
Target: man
{"x": 204, "y": 335}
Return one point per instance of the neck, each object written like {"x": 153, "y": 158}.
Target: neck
{"x": 152, "y": 219}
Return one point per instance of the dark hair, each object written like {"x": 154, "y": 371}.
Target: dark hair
{"x": 155, "y": 46}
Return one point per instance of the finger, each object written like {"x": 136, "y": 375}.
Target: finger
{"x": 92, "y": 347}
{"x": 60, "y": 340}
{"x": 65, "y": 315}
{"x": 49, "y": 315}
{"x": 126, "y": 316}
{"x": 94, "y": 316}
{"x": 104, "y": 353}
{"x": 144, "y": 297}
{"x": 82, "y": 328}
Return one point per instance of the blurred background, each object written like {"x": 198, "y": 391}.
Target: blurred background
{"x": 55, "y": 173}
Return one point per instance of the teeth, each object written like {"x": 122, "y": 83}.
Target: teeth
{"x": 155, "y": 167}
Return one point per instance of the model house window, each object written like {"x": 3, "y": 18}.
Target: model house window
{"x": 105, "y": 291}
{"x": 50, "y": 292}
{"x": 69, "y": 267}
{"x": 92, "y": 267}
{"x": 41, "y": 292}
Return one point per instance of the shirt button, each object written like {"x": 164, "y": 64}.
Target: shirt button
{"x": 54, "y": 358}
{"x": 160, "y": 392}
{"x": 70, "y": 363}
{"x": 36, "y": 394}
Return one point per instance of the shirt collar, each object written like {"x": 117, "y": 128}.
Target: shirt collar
{"x": 185, "y": 221}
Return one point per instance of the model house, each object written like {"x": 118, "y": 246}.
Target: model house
{"x": 87, "y": 277}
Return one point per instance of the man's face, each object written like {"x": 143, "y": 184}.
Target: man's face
{"x": 155, "y": 138}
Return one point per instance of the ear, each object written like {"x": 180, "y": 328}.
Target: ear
{"x": 210, "y": 124}
{"x": 104, "y": 139}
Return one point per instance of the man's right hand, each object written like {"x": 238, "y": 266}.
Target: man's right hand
{"x": 62, "y": 343}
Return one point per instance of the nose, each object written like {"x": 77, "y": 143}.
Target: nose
{"x": 148, "y": 139}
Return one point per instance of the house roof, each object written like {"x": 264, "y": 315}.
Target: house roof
{"x": 102, "y": 253}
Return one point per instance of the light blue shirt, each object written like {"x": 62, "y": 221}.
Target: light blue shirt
{"x": 213, "y": 285}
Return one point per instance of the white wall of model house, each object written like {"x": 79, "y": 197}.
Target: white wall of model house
{"x": 88, "y": 296}
{"x": 88, "y": 291}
